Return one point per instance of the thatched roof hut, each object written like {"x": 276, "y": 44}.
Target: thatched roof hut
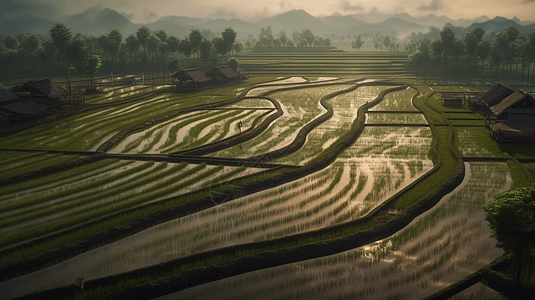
{"x": 517, "y": 107}
{"x": 6, "y": 95}
{"x": 496, "y": 94}
{"x": 43, "y": 91}
{"x": 242, "y": 73}
{"x": 194, "y": 78}
{"x": 513, "y": 131}
{"x": 223, "y": 74}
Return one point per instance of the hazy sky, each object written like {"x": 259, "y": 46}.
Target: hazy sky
{"x": 141, "y": 11}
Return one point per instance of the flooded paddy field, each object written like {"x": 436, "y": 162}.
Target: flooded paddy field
{"x": 118, "y": 194}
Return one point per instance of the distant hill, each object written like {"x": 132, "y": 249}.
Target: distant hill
{"x": 499, "y": 23}
{"x": 26, "y": 23}
{"x": 97, "y": 21}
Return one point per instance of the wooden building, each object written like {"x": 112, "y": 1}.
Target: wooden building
{"x": 242, "y": 73}
{"x": 515, "y": 118}
{"x": 496, "y": 94}
{"x": 518, "y": 107}
{"x": 453, "y": 99}
{"x": 6, "y": 97}
{"x": 44, "y": 92}
{"x": 223, "y": 74}
{"x": 29, "y": 103}
{"x": 190, "y": 79}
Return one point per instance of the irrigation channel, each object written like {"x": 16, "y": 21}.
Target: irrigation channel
{"x": 307, "y": 160}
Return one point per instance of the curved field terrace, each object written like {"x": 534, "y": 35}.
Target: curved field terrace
{"x": 317, "y": 177}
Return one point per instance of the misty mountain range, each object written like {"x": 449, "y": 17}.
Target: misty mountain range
{"x": 97, "y": 21}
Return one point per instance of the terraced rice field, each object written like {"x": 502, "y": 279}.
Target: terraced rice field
{"x": 136, "y": 200}
{"x": 435, "y": 250}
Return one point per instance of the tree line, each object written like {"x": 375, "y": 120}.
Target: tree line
{"x": 504, "y": 55}
{"x": 63, "y": 51}
{"x": 305, "y": 38}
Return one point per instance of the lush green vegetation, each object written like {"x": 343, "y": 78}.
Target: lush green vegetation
{"x": 387, "y": 158}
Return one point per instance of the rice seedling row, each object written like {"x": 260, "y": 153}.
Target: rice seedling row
{"x": 345, "y": 107}
{"x": 475, "y": 141}
{"x": 20, "y": 164}
{"x": 436, "y": 249}
{"x": 398, "y": 118}
{"x": 81, "y": 133}
{"x": 186, "y": 132}
{"x": 59, "y": 181}
{"x": 391, "y": 143}
{"x": 83, "y": 204}
{"x": 315, "y": 201}
{"x": 397, "y": 101}
{"x": 299, "y": 107}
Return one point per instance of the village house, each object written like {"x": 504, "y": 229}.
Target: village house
{"x": 190, "y": 79}
{"x": 514, "y": 118}
{"x": 223, "y": 74}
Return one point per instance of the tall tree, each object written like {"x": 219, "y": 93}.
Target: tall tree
{"x": 511, "y": 217}
{"x": 162, "y": 35}
{"x": 195, "y": 37}
{"x": 229, "y": 36}
{"x": 220, "y": 46}
{"x": 61, "y": 35}
{"x": 153, "y": 44}
{"x": 483, "y": 51}
{"x": 470, "y": 41}
{"x": 283, "y": 38}
{"x": 447, "y": 37}
{"x": 308, "y": 36}
{"x": 143, "y": 35}
{"x": 186, "y": 48}
{"x": 11, "y": 42}
{"x": 30, "y": 43}
{"x": 132, "y": 43}
{"x": 204, "y": 49}
{"x": 531, "y": 41}
{"x": 115, "y": 38}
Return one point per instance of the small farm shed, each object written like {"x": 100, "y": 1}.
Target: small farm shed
{"x": 6, "y": 97}
{"x": 223, "y": 74}
{"x": 513, "y": 132}
{"x": 43, "y": 92}
{"x": 24, "y": 110}
{"x": 496, "y": 94}
{"x": 242, "y": 73}
{"x": 190, "y": 79}
{"x": 518, "y": 107}
{"x": 452, "y": 99}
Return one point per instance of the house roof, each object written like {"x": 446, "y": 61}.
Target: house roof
{"x": 27, "y": 107}
{"x": 514, "y": 131}
{"x": 45, "y": 87}
{"x": 6, "y": 95}
{"x": 511, "y": 100}
{"x": 225, "y": 71}
{"x": 195, "y": 75}
{"x": 496, "y": 94}
{"x": 452, "y": 95}
{"x": 242, "y": 72}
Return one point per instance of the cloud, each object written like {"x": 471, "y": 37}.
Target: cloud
{"x": 434, "y": 6}
{"x": 347, "y": 6}
{"x": 374, "y": 11}
{"x": 149, "y": 16}
{"x": 128, "y": 16}
{"x": 223, "y": 13}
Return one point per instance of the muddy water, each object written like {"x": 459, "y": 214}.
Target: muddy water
{"x": 454, "y": 231}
